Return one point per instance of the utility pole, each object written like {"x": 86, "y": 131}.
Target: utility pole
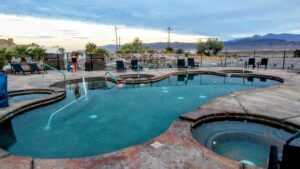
{"x": 169, "y": 32}
{"x": 116, "y": 38}
{"x": 119, "y": 42}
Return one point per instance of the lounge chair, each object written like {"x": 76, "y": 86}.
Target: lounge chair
{"x": 16, "y": 67}
{"x": 135, "y": 65}
{"x": 120, "y": 66}
{"x": 264, "y": 61}
{"x": 181, "y": 64}
{"x": 251, "y": 61}
{"x": 290, "y": 155}
{"x": 34, "y": 67}
{"x": 191, "y": 63}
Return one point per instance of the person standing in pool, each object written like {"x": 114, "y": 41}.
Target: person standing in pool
{"x": 74, "y": 62}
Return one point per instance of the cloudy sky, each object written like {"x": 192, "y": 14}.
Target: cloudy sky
{"x": 72, "y": 23}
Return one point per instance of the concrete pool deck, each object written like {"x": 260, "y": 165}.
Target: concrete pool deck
{"x": 178, "y": 148}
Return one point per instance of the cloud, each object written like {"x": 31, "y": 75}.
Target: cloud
{"x": 214, "y": 17}
{"x": 35, "y": 37}
{"x": 72, "y": 34}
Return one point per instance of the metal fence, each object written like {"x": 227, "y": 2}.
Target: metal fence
{"x": 276, "y": 60}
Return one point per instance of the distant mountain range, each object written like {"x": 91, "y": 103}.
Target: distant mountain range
{"x": 266, "y": 42}
{"x": 257, "y": 42}
{"x": 283, "y": 36}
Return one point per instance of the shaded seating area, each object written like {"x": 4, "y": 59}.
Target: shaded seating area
{"x": 135, "y": 65}
{"x": 120, "y": 66}
{"x": 191, "y": 63}
{"x": 181, "y": 64}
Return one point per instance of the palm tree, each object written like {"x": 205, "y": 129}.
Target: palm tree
{"x": 62, "y": 50}
{"x": 76, "y": 53}
{"x": 90, "y": 48}
{"x": 101, "y": 51}
{"x": 37, "y": 52}
{"x": 21, "y": 51}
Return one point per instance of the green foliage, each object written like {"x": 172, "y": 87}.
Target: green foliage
{"x": 62, "y": 50}
{"x": 210, "y": 47}
{"x": 21, "y": 50}
{"x": 134, "y": 47}
{"x": 76, "y": 53}
{"x": 179, "y": 51}
{"x": 101, "y": 51}
{"x": 119, "y": 52}
{"x": 90, "y": 48}
{"x": 36, "y": 52}
{"x": 169, "y": 49}
{"x": 2, "y": 57}
{"x": 297, "y": 53}
{"x": 6, "y": 53}
{"x": 151, "y": 51}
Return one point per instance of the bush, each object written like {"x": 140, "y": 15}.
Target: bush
{"x": 210, "y": 47}
{"x": 2, "y": 61}
{"x": 297, "y": 53}
{"x": 179, "y": 51}
{"x": 169, "y": 49}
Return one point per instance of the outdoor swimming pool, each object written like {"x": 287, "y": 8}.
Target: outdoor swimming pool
{"x": 111, "y": 118}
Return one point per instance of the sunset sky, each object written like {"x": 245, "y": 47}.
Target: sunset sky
{"x": 71, "y": 24}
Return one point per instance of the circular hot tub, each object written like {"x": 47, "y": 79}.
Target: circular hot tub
{"x": 242, "y": 141}
{"x": 135, "y": 78}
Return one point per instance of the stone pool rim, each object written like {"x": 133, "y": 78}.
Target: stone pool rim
{"x": 182, "y": 120}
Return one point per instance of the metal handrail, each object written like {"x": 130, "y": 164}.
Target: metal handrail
{"x": 111, "y": 76}
{"x": 59, "y": 71}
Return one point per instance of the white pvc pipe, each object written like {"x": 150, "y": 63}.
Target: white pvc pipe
{"x": 85, "y": 90}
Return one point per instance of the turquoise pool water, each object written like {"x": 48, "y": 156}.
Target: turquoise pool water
{"x": 242, "y": 141}
{"x": 113, "y": 118}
